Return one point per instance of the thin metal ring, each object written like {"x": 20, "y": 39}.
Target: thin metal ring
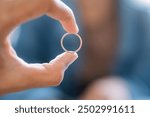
{"x": 62, "y": 40}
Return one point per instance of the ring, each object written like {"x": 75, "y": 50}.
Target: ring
{"x": 62, "y": 40}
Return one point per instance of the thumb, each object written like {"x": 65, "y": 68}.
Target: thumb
{"x": 51, "y": 74}
{"x": 64, "y": 60}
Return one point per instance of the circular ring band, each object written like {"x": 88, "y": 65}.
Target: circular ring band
{"x": 62, "y": 40}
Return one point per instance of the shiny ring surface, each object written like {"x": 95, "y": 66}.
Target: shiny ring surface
{"x": 62, "y": 40}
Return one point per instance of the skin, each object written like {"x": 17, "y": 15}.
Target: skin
{"x": 16, "y": 74}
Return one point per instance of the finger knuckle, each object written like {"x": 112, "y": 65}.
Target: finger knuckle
{"x": 55, "y": 75}
{"x": 58, "y": 78}
{"x": 4, "y": 23}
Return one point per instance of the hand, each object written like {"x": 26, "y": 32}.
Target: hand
{"x": 17, "y": 75}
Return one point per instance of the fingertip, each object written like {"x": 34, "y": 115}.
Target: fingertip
{"x": 70, "y": 27}
{"x": 69, "y": 57}
{"x": 76, "y": 29}
{"x": 65, "y": 16}
{"x": 72, "y": 54}
{"x": 65, "y": 59}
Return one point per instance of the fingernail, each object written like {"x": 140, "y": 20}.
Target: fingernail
{"x": 65, "y": 59}
{"x": 77, "y": 29}
{"x": 70, "y": 57}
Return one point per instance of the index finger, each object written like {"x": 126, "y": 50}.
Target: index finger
{"x": 20, "y": 11}
{"x": 64, "y": 14}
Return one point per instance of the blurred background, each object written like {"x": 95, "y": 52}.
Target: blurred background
{"x": 114, "y": 62}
